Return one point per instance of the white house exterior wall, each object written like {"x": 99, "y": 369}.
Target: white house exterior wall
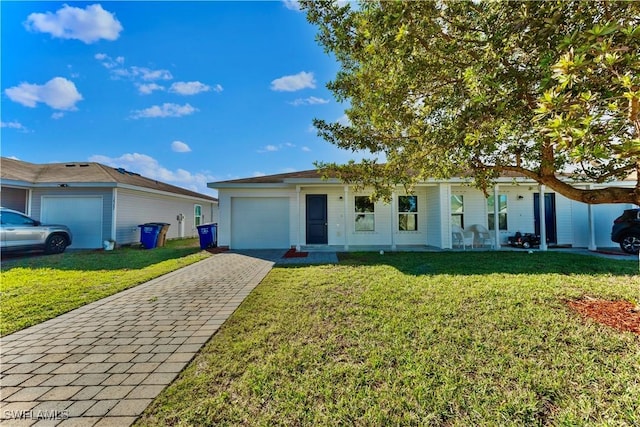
{"x": 138, "y": 207}
{"x": 564, "y": 225}
{"x": 434, "y": 215}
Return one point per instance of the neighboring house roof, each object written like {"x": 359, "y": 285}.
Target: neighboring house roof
{"x": 85, "y": 173}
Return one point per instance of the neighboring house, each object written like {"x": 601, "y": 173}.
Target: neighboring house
{"x": 302, "y": 210}
{"x": 99, "y": 202}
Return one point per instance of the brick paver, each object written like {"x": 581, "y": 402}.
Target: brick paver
{"x": 103, "y": 363}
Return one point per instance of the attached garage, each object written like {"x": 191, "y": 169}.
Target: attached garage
{"x": 83, "y": 215}
{"x": 260, "y": 223}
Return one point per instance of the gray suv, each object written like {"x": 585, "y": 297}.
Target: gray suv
{"x": 18, "y": 232}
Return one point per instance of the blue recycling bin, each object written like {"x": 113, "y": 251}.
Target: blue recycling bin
{"x": 149, "y": 234}
{"x": 208, "y": 235}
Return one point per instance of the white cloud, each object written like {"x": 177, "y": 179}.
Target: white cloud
{"x": 295, "y": 82}
{"x": 312, "y": 100}
{"x": 109, "y": 62}
{"x": 344, "y": 120}
{"x": 218, "y": 88}
{"x": 149, "y": 167}
{"x": 189, "y": 88}
{"x": 164, "y": 110}
{"x": 57, "y": 115}
{"x": 115, "y": 66}
{"x": 257, "y": 174}
{"x": 13, "y": 125}
{"x": 292, "y": 5}
{"x": 180, "y": 147}
{"x": 272, "y": 148}
{"x": 149, "y": 88}
{"x": 58, "y": 93}
{"x": 306, "y": 149}
{"x": 88, "y": 25}
{"x": 142, "y": 73}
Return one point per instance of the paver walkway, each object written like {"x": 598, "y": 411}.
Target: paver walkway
{"x": 103, "y": 363}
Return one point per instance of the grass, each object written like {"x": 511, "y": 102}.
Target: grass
{"x": 406, "y": 339}
{"x": 37, "y": 288}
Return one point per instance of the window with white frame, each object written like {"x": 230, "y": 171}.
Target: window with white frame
{"x": 197, "y": 214}
{"x": 365, "y": 214}
{"x": 408, "y": 213}
{"x": 457, "y": 210}
{"x": 502, "y": 212}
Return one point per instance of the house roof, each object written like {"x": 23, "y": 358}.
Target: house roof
{"x": 275, "y": 179}
{"x": 86, "y": 173}
{"x": 314, "y": 174}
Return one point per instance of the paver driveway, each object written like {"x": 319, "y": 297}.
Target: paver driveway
{"x": 103, "y": 363}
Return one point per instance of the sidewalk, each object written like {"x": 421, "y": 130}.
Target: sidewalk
{"x": 104, "y": 363}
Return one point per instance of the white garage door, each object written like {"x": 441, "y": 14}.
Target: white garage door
{"x": 260, "y": 223}
{"x": 83, "y": 215}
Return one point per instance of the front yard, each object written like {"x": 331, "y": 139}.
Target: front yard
{"x": 418, "y": 339}
{"x": 37, "y": 288}
{"x": 484, "y": 338}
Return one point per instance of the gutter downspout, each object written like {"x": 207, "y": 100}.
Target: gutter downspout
{"x": 114, "y": 216}
{"x": 394, "y": 220}
{"x": 496, "y": 219}
{"x": 592, "y": 227}
{"x": 298, "y": 247}
{"x": 346, "y": 218}
{"x": 28, "y": 207}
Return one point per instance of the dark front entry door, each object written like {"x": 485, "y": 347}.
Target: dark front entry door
{"x": 549, "y": 215}
{"x": 317, "y": 219}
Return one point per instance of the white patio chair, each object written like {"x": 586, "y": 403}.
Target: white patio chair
{"x": 483, "y": 237}
{"x": 461, "y": 237}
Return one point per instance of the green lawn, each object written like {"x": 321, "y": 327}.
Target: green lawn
{"x": 36, "y": 288}
{"x": 453, "y": 339}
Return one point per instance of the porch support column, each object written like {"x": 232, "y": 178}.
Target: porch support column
{"x": 592, "y": 227}
{"x": 346, "y": 218}
{"x": 496, "y": 219}
{"x": 394, "y": 220}
{"x": 543, "y": 220}
{"x": 298, "y": 247}
{"x": 446, "y": 242}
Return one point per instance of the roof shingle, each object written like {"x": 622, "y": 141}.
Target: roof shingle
{"x": 84, "y": 172}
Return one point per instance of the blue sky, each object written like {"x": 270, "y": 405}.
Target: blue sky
{"x": 183, "y": 92}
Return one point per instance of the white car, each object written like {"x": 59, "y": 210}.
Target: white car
{"x": 18, "y": 232}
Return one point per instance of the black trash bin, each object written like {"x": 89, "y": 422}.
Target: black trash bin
{"x": 149, "y": 235}
{"x": 208, "y": 235}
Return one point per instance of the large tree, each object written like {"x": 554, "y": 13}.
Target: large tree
{"x": 548, "y": 90}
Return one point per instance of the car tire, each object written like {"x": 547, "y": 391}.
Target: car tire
{"x": 630, "y": 243}
{"x": 56, "y": 244}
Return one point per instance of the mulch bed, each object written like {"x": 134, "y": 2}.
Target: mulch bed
{"x": 291, "y": 253}
{"x": 216, "y": 250}
{"x": 621, "y": 315}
